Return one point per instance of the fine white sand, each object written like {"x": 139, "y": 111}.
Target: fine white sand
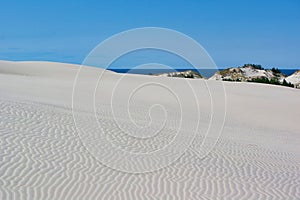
{"x": 44, "y": 156}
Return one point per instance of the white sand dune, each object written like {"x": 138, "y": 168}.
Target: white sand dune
{"x": 42, "y": 155}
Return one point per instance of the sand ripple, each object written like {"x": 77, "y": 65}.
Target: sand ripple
{"x": 42, "y": 157}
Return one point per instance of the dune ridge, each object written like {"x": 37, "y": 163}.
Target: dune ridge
{"x": 42, "y": 156}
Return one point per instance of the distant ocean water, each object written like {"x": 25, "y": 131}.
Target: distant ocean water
{"x": 288, "y": 72}
{"x": 204, "y": 72}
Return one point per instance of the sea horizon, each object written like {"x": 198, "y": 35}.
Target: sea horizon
{"x": 204, "y": 72}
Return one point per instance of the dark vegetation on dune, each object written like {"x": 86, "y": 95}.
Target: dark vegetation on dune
{"x": 273, "y": 81}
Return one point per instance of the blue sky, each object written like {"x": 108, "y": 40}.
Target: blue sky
{"x": 233, "y": 32}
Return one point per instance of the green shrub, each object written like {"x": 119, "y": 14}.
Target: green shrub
{"x": 272, "y": 81}
{"x": 254, "y": 66}
{"x": 275, "y": 70}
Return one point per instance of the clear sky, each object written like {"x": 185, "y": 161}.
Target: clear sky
{"x": 233, "y": 32}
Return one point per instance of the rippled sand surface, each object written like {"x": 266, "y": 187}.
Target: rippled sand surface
{"x": 44, "y": 154}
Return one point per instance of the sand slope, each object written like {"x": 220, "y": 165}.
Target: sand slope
{"x": 42, "y": 156}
